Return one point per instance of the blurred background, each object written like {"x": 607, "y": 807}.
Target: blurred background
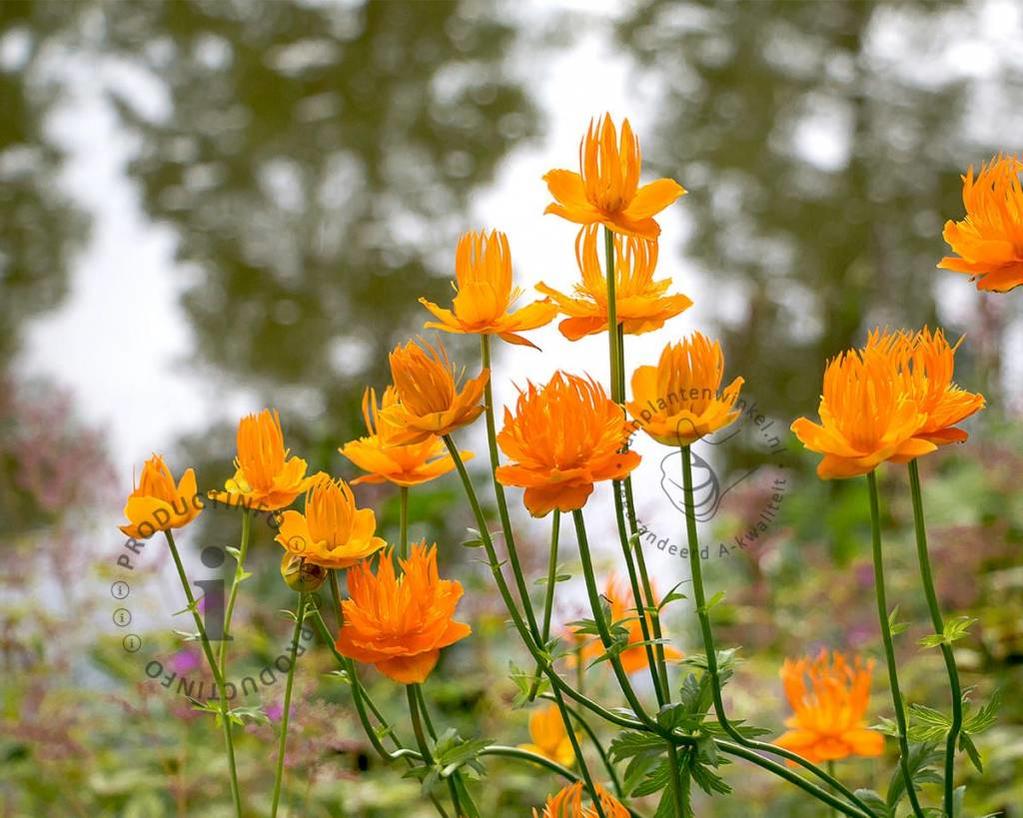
{"x": 211, "y": 206}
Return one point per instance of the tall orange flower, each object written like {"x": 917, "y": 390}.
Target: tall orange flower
{"x": 549, "y": 737}
{"x": 390, "y": 461}
{"x": 623, "y": 607}
{"x": 866, "y": 415}
{"x": 568, "y": 803}
{"x": 606, "y": 190}
{"x": 562, "y": 439}
{"x": 828, "y": 722}
{"x": 640, "y": 302}
{"x": 265, "y": 477}
{"x": 430, "y": 400}
{"x": 680, "y": 400}
{"x": 400, "y": 623}
{"x": 989, "y": 240}
{"x": 484, "y": 294}
{"x": 332, "y": 532}
{"x": 926, "y": 363}
{"x": 157, "y": 503}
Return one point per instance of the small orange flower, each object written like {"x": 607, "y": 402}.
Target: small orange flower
{"x": 332, "y": 532}
{"x": 568, "y": 803}
{"x": 157, "y": 504}
{"x": 484, "y": 293}
{"x": 549, "y": 737}
{"x": 680, "y": 400}
{"x": 562, "y": 439}
{"x": 606, "y": 190}
{"x": 623, "y": 607}
{"x": 866, "y": 415}
{"x": 387, "y": 460}
{"x": 400, "y": 623}
{"x": 640, "y": 302}
{"x": 926, "y": 363}
{"x": 989, "y": 240}
{"x": 430, "y": 401}
{"x": 829, "y": 723}
{"x": 265, "y": 478}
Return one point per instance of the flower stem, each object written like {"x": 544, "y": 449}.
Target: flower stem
{"x": 286, "y": 713}
{"x": 889, "y": 647}
{"x": 585, "y": 725}
{"x": 218, "y": 677}
{"x": 403, "y": 517}
{"x": 939, "y": 628}
{"x": 548, "y": 604}
{"x": 703, "y": 614}
{"x": 239, "y": 572}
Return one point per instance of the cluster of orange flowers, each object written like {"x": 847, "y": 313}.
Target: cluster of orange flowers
{"x": 892, "y": 400}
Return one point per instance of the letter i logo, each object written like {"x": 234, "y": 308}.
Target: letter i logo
{"x": 213, "y": 596}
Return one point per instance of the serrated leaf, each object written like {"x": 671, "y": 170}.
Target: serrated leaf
{"x": 894, "y": 625}
{"x": 920, "y": 760}
{"x": 966, "y": 744}
{"x": 874, "y": 801}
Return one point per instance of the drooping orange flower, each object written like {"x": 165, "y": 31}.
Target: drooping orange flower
{"x": 430, "y": 400}
{"x": 866, "y": 415}
{"x": 640, "y": 302}
{"x": 157, "y": 503}
{"x": 568, "y": 803}
{"x": 485, "y": 295}
{"x": 385, "y": 459}
{"x": 989, "y": 240}
{"x": 828, "y": 722}
{"x": 400, "y": 623}
{"x": 265, "y": 478}
{"x": 332, "y": 532}
{"x": 926, "y": 363}
{"x": 680, "y": 400}
{"x": 562, "y": 439}
{"x": 623, "y": 607}
{"x": 606, "y": 190}
{"x": 549, "y": 737}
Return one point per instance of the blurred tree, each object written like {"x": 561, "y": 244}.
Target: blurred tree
{"x": 822, "y": 145}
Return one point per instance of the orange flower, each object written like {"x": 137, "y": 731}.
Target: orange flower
{"x": 562, "y": 439}
{"x": 387, "y": 460}
{"x": 828, "y": 723}
{"x": 989, "y": 240}
{"x": 640, "y": 303}
{"x": 265, "y": 478}
{"x": 484, "y": 293}
{"x": 679, "y": 400}
{"x": 400, "y": 623}
{"x": 606, "y": 190}
{"x": 430, "y": 401}
{"x": 623, "y": 607}
{"x": 569, "y": 804}
{"x": 866, "y": 415}
{"x": 926, "y": 363}
{"x": 157, "y": 504}
{"x": 332, "y": 532}
{"x": 550, "y": 738}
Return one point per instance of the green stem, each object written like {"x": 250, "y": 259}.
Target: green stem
{"x": 218, "y": 677}
{"x": 286, "y": 714}
{"x": 239, "y": 571}
{"x": 831, "y": 772}
{"x": 585, "y": 725}
{"x": 548, "y": 604}
{"x": 889, "y": 647}
{"x": 674, "y": 781}
{"x": 502, "y": 502}
{"x": 413, "y": 695}
{"x": 403, "y": 516}
{"x": 612, "y": 314}
{"x": 700, "y": 601}
{"x": 939, "y": 628}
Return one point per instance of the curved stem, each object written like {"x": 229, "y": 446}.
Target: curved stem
{"x": 218, "y": 677}
{"x": 700, "y": 601}
{"x": 927, "y": 580}
{"x": 585, "y": 725}
{"x": 239, "y": 574}
{"x": 548, "y": 604}
{"x": 285, "y": 715}
{"x": 889, "y": 647}
{"x": 403, "y": 517}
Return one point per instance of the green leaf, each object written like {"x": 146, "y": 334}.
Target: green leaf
{"x": 966, "y": 744}
{"x": 894, "y": 625}
{"x": 875, "y": 802}
{"x": 921, "y": 759}
{"x": 955, "y": 629}
{"x": 985, "y": 717}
